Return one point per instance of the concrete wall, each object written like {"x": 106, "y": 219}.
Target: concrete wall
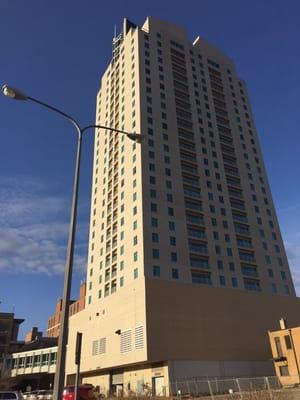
{"x": 123, "y": 312}
{"x": 189, "y": 322}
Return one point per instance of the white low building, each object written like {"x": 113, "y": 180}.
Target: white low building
{"x": 34, "y": 362}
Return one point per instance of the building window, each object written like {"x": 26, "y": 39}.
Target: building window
{"x": 252, "y": 285}
{"x": 171, "y": 212}
{"x": 270, "y": 273}
{"x": 286, "y": 289}
{"x": 288, "y": 343}
{"x": 174, "y": 257}
{"x": 171, "y": 226}
{"x": 201, "y": 277}
{"x": 231, "y": 266}
{"x": 175, "y": 274}
{"x": 216, "y": 235}
{"x": 155, "y": 253}
{"x": 170, "y": 197}
{"x": 222, "y": 280}
{"x": 153, "y": 207}
{"x": 153, "y": 193}
{"x": 154, "y": 222}
{"x": 218, "y": 249}
{"x": 283, "y": 275}
{"x": 278, "y": 346}
{"x": 155, "y": 237}
{"x": 172, "y": 241}
{"x": 152, "y": 180}
{"x": 234, "y": 282}
{"x": 220, "y": 264}
{"x": 135, "y": 273}
{"x": 229, "y": 252}
{"x": 156, "y": 270}
{"x": 284, "y": 371}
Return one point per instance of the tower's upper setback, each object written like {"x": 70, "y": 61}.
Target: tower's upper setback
{"x": 191, "y": 203}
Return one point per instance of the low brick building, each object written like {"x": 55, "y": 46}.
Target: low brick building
{"x": 285, "y": 345}
{"x": 75, "y": 307}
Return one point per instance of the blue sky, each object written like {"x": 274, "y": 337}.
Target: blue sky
{"x": 56, "y": 51}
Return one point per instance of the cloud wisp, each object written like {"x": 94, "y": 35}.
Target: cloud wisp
{"x": 33, "y": 231}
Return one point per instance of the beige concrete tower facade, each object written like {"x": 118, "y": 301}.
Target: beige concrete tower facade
{"x": 183, "y": 229}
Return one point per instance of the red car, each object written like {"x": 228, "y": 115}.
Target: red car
{"x": 85, "y": 392}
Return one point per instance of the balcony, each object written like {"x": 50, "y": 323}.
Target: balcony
{"x": 194, "y": 218}
{"x": 216, "y": 87}
{"x": 229, "y": 160}
{"x": 188, "y": 156}
{"x": 182, "y": 104}
{"x": 237, "y": 205}
{"x": 235, "y": 193}
{"x": 247, "y": 256}
{"x": 233, "y": 182}
{"x": 241, "y": 229}
{"x": 250, "y": 271}
{"x": 232, "y": 172}
{"x": 280, "y": 359}
{"x": 184, "y": 123}
{"x": 192, "y": 192}
{"x": 190, "y": 180}
{"x": 187, "y": 145}
{"x": 218, "y": 95}
{"x": 189, "y": 168}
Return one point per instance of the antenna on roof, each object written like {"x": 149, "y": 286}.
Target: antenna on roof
{"x": 114, "y": 40}
{"x": 117, "y": 39}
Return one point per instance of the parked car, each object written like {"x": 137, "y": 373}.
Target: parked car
{"x": 85, "y": 392}
{"x": 7, "y": 395}
{"x": 32, "y": 395}
{"x": 44, "y": 395}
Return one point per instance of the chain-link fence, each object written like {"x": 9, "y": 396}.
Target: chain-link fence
{"x": 269, "y": 388}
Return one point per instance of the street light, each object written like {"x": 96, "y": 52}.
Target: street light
{"x": 59, "y": 379}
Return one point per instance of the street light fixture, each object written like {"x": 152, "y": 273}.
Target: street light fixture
{"x": 16, "y": 94}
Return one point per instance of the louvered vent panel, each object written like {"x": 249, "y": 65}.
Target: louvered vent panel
{"x": 95, "y": 347}
{"x": 126, "y": 341}
{"x": 102, "y": 346}
{"x": 139, "y": 337}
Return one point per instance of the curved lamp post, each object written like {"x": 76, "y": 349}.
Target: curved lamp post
{"x": 59, "y": 379}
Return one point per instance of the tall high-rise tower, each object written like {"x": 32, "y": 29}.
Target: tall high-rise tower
{"x": 186, "y": 261}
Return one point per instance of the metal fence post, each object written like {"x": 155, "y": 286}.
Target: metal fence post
{"x": 170, "y": 389}
{"x": 196, "y": 387}
{"x": 239, "y": 387}
{"x": 210, "y": 390}
{"x": 188, "y": 386}
{"x": 176, "y": 389}
{"x": 269, "y": 388}
{"x": 217, "y": 385}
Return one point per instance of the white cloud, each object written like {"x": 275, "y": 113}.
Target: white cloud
{"x": 21, "y": 253}
{"x": 24, "y": 200}
{"x": 33, "y": 233}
